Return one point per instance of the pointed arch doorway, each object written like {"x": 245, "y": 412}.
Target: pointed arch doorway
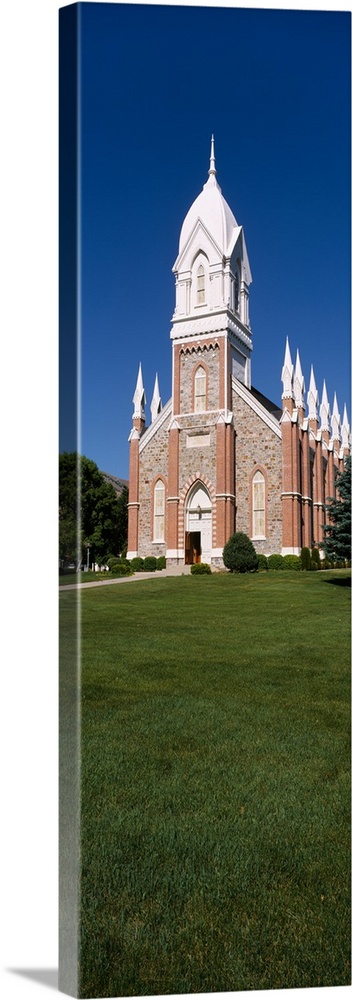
{"x": 198, "y": 526}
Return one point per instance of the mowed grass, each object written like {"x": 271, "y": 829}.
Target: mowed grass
{"x": 215, "y": 784}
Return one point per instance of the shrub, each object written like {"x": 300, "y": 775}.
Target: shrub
{"x": 119, "y": 567}
{"x": 262, "y": 562}
{"x": 292, "y": 562}
{"x": 161, "y": 562}
{"x": 276, "y": 561}
{"x": 137, "y": 564}
{"x": 239, "y": 554}
{"x": 198, "y": 569}
{"x": 316, "y": 562}
{"x": 305, "y": 558}
{"x": 149, "y": 564}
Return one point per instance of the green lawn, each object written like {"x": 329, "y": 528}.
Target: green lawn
{"x": 215, "y": 784}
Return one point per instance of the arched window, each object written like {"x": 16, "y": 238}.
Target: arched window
{"x": 258, "y": 505}
{"x": 200, "y": 285}
{"x": 159, "y": 511}
{"x": 200, "y": 386}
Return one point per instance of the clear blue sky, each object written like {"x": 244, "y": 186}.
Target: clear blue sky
{"x": 274, "y": 87}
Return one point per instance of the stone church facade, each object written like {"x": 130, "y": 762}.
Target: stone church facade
{"x": 220, "y": 457}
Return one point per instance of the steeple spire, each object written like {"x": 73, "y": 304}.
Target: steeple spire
{"x": 212, "y": 181}
{"x": 212, "y": 168}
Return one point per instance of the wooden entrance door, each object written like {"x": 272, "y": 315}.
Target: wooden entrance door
{"x": 192, "y": 548}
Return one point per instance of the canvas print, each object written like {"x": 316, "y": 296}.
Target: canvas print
{"x": 204, "y": 508}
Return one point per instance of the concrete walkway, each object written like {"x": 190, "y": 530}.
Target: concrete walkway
{"x": 171, "y": 571}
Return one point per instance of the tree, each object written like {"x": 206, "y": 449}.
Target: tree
{"x": 337, "y": 543}
{"x": 239, "y": 554}
{"x": 90, "y": 513}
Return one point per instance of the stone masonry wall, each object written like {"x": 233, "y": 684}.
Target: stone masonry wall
{"x": 257, "y": 445}
{"x": 153, "y": 463}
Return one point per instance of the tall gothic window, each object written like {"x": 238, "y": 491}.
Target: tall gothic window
{"x": 200, "y": 385}
{"x": 200, "y": 285}
{"x": 159, "y": 511}
{"x": 258, "y": 505}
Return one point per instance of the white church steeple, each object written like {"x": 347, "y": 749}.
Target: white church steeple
{"x": 213, "y": 275}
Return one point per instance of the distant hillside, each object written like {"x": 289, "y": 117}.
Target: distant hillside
{"x": 117, "y": 484}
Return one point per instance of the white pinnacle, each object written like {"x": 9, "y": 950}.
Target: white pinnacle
{"x": 313, "y": 399}
{"x": 287, "y": 372}
{"x": 139, "y": 398}
{"x": 298, "y": 382}
{"x": 155, "y": 405}
{"x": 324, "y": 410}
{"x": 345, "y": 429}
{"x": 335, "y": 421}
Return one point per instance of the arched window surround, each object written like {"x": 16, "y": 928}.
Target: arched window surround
{"x": 258, "y": 501}
{"x": 158, "y": 509}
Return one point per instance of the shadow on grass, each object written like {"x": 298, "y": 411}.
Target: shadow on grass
{"x": 340, "y": 581}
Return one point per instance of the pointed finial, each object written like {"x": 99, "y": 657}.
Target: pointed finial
{"x": 324, "y": 410}
{"x": 212, "y": 169}
{"x": 345, "y": 430}
{"x": 298, "y": 382}
{"x": 139, "y": 399}
{"x": 335, "y": 421}
{"x": 313, "y": 399}
{"x": 155, "y": 405}
{"x": 287, "y": 372}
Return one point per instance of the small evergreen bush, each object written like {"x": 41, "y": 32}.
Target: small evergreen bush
{"x": 262, "y": 562}
{"x": 149, "y": 564}
{"x": 292, "y": 562}
{"x": 316, "y": 562}
{"x": 198, "y": 569}
{"x": 305, "y": 558}
{"x": 276, "y": 561}
{"x": 239, "y": 554}
{"x": 161, "y": 562}
{"x": 117, "y": 566}
{"x": 137, "y": 564}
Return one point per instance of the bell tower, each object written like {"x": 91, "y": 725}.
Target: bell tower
{"x": 211, "y": 343}
{"x": 212, "y": 278}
